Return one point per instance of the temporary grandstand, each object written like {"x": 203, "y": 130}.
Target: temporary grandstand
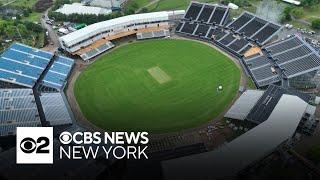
{"x": 95, "y": 39}
{"x": 154, "y": 34}
{"x": 282, "y": 60}
{"x": 208, "y": 22}
{"x": 21, "y": 108}
{"x": 228, "y": 160}
{"x": 55, "y": 108}
{"x": 291, "y": 62}
{"x": 24, "y": 66}
{"x": 17, "y": 108}
{"x": 256, "y": 106}
{"x": 254, "y": 28}
{"x": 25, "y": 73}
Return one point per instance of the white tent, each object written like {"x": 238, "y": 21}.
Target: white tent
{"x": 77, "y": 8}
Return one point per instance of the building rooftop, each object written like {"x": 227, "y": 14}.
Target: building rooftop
{"x": 100, "y": 27}
{"x": 269, "y": 100}
{"x": 245, "y": 150}
{"x": 241, "y": 108}
{"x": 78, "y": 8}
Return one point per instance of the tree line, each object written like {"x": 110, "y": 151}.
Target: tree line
{"x": 82, "y": 18}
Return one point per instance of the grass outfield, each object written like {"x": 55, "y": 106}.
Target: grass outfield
{"x": 157, "y": 86}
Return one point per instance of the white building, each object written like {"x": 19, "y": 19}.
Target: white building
{"x": 114, "y": 29}
{"x": 292, "y": 2}
{"x": 77, "y": 8}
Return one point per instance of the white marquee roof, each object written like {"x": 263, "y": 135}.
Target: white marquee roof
{"x": 241, "y": 108}
{"x": 97, "y": 28}
{"x": 250, "y": 147}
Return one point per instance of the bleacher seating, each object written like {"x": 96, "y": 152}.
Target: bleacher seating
{"x": 178, "y": 28}
{"x": 231, "y": 42}
{"x": 281, "y": 60}
{"x": 32, "y": 51}
{"x": 17, "y": 108}
{"x": 260, "y": 68}
{"x": 264, "y": 34}
{"x": 161, "y": 33}
{"x": 210, "y": 33}
{"x": 226, "y": 40}
{"x": 252, "y": 27}
{"x": 218, "y": 16}
{"x": 240, "y": 21}
{"x": 281, "y": 46}
{"x": 200, "y": 17}
{"x": 245, "y": 49}
{"x": 206, "y": 13}
{"x": 193, "y": 11}
{"x": 202, "y": 30}
{"x": 257, "y": 61}
{"x": 238, "y": 44}
{"x": 58, "y": 73}
{"x": 189, "y": 27}
{"x": 263, "y": 73}
{"x": 154, "y": 34}
{"x": 294, "y": 56}
{"x": 302, "y": 65}
{"x": 255, "y": 28}
{"x": 218, "y": 33}
{"x": 23, "y": 65}
{"x": 288, "y": 58}
{"x": 96, "y": 51}
{"x": 55, "y": 109}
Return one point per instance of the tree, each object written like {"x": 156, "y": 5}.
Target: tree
{"x": 315, "y": 24}
{"x": 297, "y": 12}
{"x": 131, "y": 8}
{"x": 286, "y": 14}
{"x": 144, "y": 10}
{"x": 22, "y": 29}
{"x": 82, "y": 18}
{"x": 59, "y": 3}
{"x": 309, "y": 3}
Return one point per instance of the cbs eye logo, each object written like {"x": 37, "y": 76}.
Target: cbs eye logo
{"x": 65, "y": 137}
{"x": 29, "y": 145}
{"x": 34, "y": 145}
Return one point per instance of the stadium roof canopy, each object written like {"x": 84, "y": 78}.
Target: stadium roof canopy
{"x": 241, "y": 108}
{"x": 78, "y": 8}
{"x": 120, "y": 22}
{"x": 245, "y": 150}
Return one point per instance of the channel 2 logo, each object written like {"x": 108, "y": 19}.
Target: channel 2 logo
{"x": 34, "y": 145}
